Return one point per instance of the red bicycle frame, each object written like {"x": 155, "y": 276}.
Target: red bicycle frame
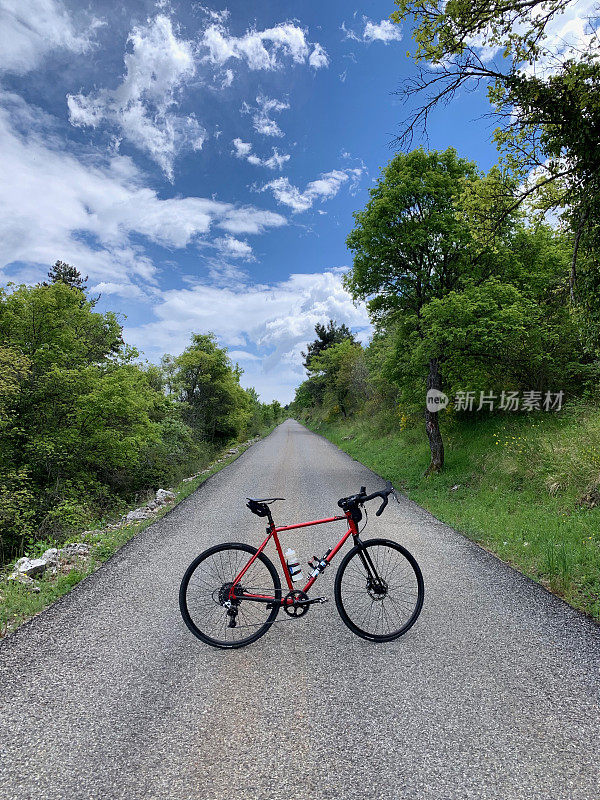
{"x": 273, "y": 533}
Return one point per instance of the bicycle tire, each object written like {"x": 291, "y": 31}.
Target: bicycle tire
{"x": 211, "y": 609}
{"x": 361, "y": 615}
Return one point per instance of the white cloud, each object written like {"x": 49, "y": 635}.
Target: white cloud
{"x": 325, "y": 187}
{"x": 128, "y": 290}
{"x": 247, "y": 219}
{"x": 87, "y": 211}
{"x": 261, "y": 115}
{"x": 261, "y": 50}
{"x": 161, "y": 63}
{"x": 158, "y": 66}
{"x": 318, "y": 58}
{"x": 241, "y": 149}
{"x": 30, "y": 29}
{"x": 275, "y": 161}
{"x": 274, "y": 322}
{"x": 234, "y": 248}
{"x": 244, "y": 150}
{"x": 384, "y": 31}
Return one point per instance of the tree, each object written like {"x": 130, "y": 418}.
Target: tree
{"x": 545, "y": 95}
{"x": 496, "y": 337}
{"x": 326, "y": 337}
{"x": 14, "y": 373}
{"x": 341, "y": 366}
{"x": 209, "y": 384}
{"x": 61, "y": 272}
{"x": 77, "y": 415}
{"x": 412, "y": 244}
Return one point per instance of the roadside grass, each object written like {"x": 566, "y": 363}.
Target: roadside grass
{"x": 18, "y": 603}
{"x": 526, "y": 488}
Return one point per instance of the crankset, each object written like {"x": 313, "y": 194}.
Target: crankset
{"x": 300, "y": 603}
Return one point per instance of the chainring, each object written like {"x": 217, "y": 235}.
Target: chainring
{"x": 298, "y": 609}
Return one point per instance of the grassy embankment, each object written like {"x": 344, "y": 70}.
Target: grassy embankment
{"x": 18, "y": 603}
{"x": 525, "y": 487}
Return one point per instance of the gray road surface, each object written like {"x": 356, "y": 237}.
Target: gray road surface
{"x": 493, "y": 693}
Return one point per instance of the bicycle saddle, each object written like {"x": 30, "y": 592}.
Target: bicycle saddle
{"x": 264, "y": 499}
{"x": 261, "y": 507}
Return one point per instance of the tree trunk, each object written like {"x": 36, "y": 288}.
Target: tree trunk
{"x": 573, "y": 275}
{"x": 432, "y": 423}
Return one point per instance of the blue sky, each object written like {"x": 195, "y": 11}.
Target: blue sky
{"x": 201, "y": 165}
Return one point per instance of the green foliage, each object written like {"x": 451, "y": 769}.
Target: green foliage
{"x": 17, "y": 503}
{"x": 548, "y": 113}
{"x": 485, "y": 299}
{"x": 84, "y": 427}
{"x": 207, "y": 382}
{"x": 345, "y": 379}
{"x": 326, "y": 336}
{"x": 447, "y": 27}
{"x": 410, "y": 244}
{"x": 338, "y": 377}
{"x": 14, "y": 372}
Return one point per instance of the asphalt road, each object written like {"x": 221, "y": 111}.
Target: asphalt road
{"x": 492, "y": 694}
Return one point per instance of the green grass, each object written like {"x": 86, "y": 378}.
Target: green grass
{"x": 521, "y": 486}
{"x": 18, "y": 603}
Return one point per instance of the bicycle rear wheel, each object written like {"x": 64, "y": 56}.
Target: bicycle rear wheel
{"x": 379, "y": 590}
{"x": 205, "y": 590}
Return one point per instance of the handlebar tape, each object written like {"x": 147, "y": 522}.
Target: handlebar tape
{"x": 382, "y": 506}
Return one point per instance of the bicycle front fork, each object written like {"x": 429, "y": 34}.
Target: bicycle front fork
{"x": 374, "y": 582}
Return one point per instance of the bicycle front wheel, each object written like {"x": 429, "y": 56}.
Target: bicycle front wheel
{"x": 204, "y": 596}
{"x": 379, "y": 590}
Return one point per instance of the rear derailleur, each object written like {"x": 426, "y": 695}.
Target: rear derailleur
{"x": 231, "y": 606}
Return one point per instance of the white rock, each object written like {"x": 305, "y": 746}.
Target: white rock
{"x": 137, "y": 514}
{"x": 50, "y": 556}
{"x": 164, "y": 496}
{"x": 76, "y": 549}
{"x": 30, "y": 567}
{"x": 232, "y": 452}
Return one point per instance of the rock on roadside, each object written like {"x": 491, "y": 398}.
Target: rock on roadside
{"x": 27, "y": 568}
{"x": 31, "y": 566}
{"x": 165, "y": 496}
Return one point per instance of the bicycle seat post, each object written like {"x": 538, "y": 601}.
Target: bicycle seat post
{"x": 270, "y": 518}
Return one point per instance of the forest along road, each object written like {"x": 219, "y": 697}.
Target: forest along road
{"x": 492, "y": 694}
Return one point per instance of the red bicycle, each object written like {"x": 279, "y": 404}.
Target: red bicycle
{"x": 229, "y": 600}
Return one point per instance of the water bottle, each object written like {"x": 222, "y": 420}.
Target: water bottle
{"x": 317, "y": 564}
{"x": 293, "y": 565}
